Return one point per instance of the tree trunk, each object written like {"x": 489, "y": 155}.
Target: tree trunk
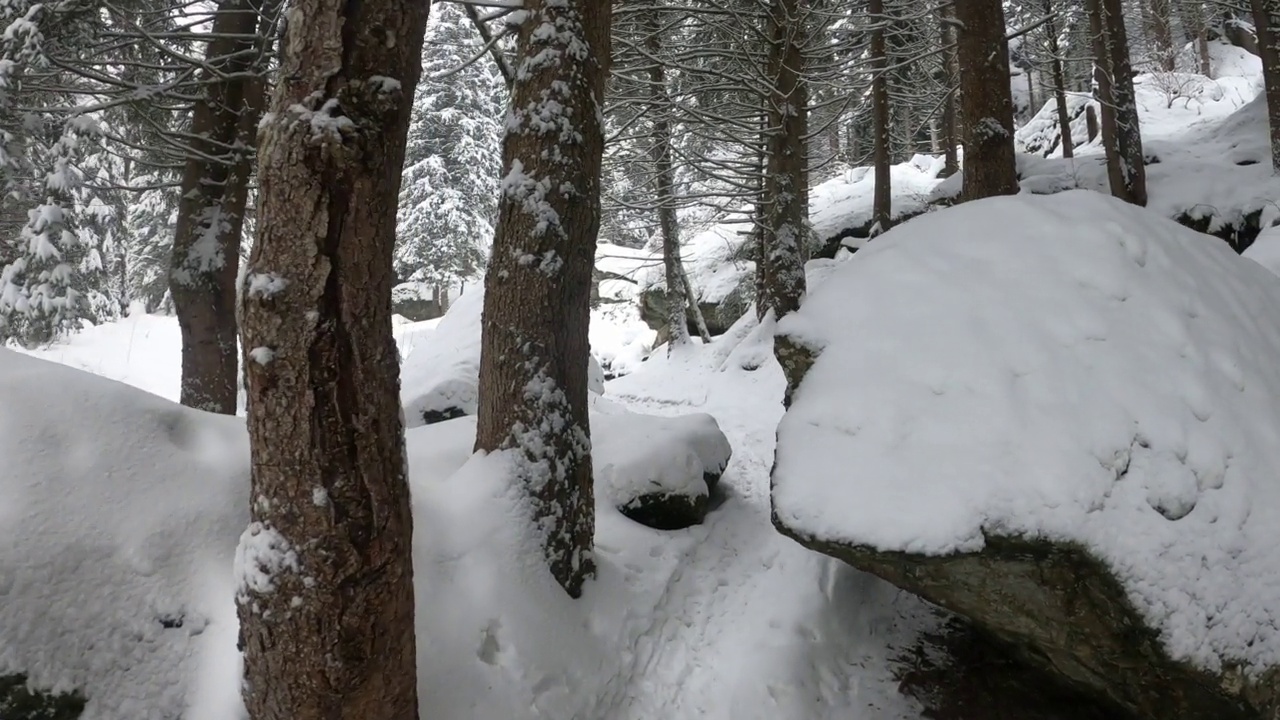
{"x": 678, "y": 296}
{"x": 211, "y": 207}
{"x": 882, "y": 200}
{"x": 1193, "y": 20}
{"x": 1266, "y": 19}
{"x": 326, "y": 598}
{"x": 1059, "y": 81}
{"x": 782, "y": 269}
{"x": 1162, "y": 33}
{"x": 950, "y": 123}
{"x": 534, "y": 352}
{"x": 1121, "y": 136}
{"x": 986, "y": 103}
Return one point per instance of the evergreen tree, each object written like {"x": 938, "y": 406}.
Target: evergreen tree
{"x": 448, "y": 198}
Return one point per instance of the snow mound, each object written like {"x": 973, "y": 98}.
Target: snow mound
{"x": 440, "y": 376}
{"x": 1266, "y": 250}
{"x": 635, "y": 455}
{"x": 1069, "y": 368}
{"x": 844, "y": 203}
{"x": 119, "y": 513}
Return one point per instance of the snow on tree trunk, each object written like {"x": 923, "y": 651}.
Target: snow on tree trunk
{"x": 325, "y": 571}
{"x": 986, "y": 100}
{"x": 1121, "y": 136}
{"x": 211, "y": 208}
{"x": 534, "y": 351}
{"x": 679, "y": 297}
{"x": 782, "y": 267}
{"x": 1059, "y": 80}
{"x": 1266, "y": 19}
{"x": 881, "y": 205}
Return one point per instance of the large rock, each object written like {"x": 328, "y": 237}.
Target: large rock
{"x": 1056, "y": 417}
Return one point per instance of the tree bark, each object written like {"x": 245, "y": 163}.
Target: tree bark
{"x": 882, "y": 199}
{"x": 534, "y": 351}
{"x": 1162, "y": 33}
{"x": 986, "y": 102}
{"x": 1059, "y": 81}
{"x": 211, "y": 208}
{"x": 950, "y": 121}
{"x": 1121, "y": 136}
{"x": 326, "y": 599}
{"x": 782, "y": 269}
{"x": 1266, "y": 19}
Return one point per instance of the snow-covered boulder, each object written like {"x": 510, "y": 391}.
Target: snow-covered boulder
{"x": 119, "y": 516}
{"x": 1059, "y": 417}
{"x": 658, "y": 471}
{"x": 439, "y": 380}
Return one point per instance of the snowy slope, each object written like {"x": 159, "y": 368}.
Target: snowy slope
{"x": 1110, "y": 379}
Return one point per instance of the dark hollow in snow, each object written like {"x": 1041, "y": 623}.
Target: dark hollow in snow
{"x": 19, "y": 702}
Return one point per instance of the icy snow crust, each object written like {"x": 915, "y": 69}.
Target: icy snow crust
{"x": 1065, "y": 367}
{"x": 115, "y": 574}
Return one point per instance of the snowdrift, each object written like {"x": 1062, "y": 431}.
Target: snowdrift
{"x": 1028, "y": 388}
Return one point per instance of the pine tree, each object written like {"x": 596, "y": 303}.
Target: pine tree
{"x": 448, "y": 199}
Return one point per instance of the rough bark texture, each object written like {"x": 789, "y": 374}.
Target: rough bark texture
{"x": 215, "y": 191}
{"x": 1266, "y": 19}
{"x": 986, "y": 102}
{"x": 326, "y": 596}
{"x": 1121, "y": 136}
{"x": 881, "y": 206}
{"x": 782, "y": 269}
{"x": 533, "y": 362}
{"x": 679, "y": 296}
{"x": 1162, "y": 34}
{"x": 1059, "y": 81}
{"x": 950, "y": 121}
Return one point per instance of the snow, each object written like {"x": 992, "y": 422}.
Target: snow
{"x": 1065, "y": 367}
{"x": 845, "y": 202}
{"x": 119, "y": 512}
{"x": 636, "y": 455}
{"x": 1266, "y": 249}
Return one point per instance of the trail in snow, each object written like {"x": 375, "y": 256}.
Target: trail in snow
{"x": 750, "y": 625}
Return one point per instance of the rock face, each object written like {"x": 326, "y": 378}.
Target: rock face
{"x": 1063, "y": 612}
{"x": 720, "y": 314}
{"x": 1021, "y": 425}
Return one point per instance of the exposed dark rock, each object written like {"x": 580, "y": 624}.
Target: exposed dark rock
{"x": 673, "y": 511}
{"x": 963, "y": 673}
{"x": 430, "y": 417}
{"x": 1240, "y": 234}
{"x": 1065, "y": 614}
{"x": 19, "y": 702}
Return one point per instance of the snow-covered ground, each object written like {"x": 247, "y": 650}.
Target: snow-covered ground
{"x": 724, "y": 620}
